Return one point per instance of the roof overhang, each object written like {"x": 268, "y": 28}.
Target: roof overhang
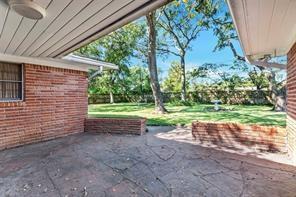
{"x": 67, "y": 26}
{"x": 72, "y": 62}
{"x": 266, "y": 28}
{"x": 90, "y": 62}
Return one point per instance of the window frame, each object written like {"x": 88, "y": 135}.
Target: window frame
{"x": 22, "y": 83}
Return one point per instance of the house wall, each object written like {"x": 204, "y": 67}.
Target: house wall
{"x": 291, "y": 102}
{"x": 55, "y": 105}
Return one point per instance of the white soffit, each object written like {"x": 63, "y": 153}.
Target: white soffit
{"x": 73, "y": 63}
{"x": 68, "y": 25}
{"x": 265, "y": 27}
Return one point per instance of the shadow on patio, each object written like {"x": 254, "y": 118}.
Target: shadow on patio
{"x": 164, "y": 162}
{"x": 238, "y": 136}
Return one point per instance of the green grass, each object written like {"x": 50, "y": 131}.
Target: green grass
{"x": 184, "y": 115}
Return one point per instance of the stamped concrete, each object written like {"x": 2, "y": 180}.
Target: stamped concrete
{"x": 164, "y": 162}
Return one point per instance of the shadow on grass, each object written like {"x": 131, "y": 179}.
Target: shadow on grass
{"x": 184, "y": 120}
{"x": 271, "y": 120}
{"x": 185, "y": 115}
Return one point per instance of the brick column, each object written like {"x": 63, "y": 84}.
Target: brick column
{"x": 291, "y": 102}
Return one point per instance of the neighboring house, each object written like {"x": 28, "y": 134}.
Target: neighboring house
{"x": 43, "y": 90}
{"x": 266, "y": 29}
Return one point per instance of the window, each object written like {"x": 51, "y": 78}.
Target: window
{"x": 11, "y": 82}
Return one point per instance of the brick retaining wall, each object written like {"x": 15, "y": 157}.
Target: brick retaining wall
{"x": 262, "y": 138}
{"x": 116, "y": 125}
{"x": 55, "y": 105}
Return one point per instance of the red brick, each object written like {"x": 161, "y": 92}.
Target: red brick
{"x": 267, "y": 138}
{"x": 46, "y": 113}
{"x": 135, "y": 126}
{"x": 291, "y": 102}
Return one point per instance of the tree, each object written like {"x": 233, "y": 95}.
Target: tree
{"x": 258, "y": 78}
{"x": 152, "y": 64}
{"x": 118, "y": 48}
{"x": 182, "y": 24}
{"x": 172, "y": 81}
{"x": 217, "y": 16}
{"x": 138, "y": 81}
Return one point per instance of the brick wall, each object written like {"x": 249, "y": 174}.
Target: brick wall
{"x": 291, "y": 102}
{"x": 116, "y": 125}
{"x": 233, "y": 135}
{"x": 55, "y": 105}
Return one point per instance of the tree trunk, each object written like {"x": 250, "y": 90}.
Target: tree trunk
{"x": 183, "y": 78}
{"x": 159, "y": 106}
{"x": 111, "y": 97}
{"x": 277, "y": 96}
{"x": 141, "y": 86}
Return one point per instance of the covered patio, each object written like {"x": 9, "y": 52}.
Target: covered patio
{"x": 43, "y": 85}
{"x": 50, "y": 102}
{"x": 164, "y": 162}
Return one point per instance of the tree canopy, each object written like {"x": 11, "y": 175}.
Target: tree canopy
{"x": 171, "y": 31}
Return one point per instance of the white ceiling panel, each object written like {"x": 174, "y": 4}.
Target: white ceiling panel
{"x": 265, "y": 27}
{"x": 278, "y": 9}
{"x": 23, "y": 30}
{"x": 68, "y": 13}
{"x": 80, "y": 23}
{"x": 67, "y": 25}
{"x": 82, "y": 32}
{"x": 3, "y": 15}
{"x": 289, "y": 23}
{"x": 53, "y": 11}
{"x": 264, "y": 18}
{"x": 12, "y": 23}
{"x": 252, "y": 5}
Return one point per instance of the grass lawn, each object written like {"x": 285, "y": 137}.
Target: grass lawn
{"x": 247, "y": 114}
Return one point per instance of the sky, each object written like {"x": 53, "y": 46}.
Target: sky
{"x": 202, "y": 52}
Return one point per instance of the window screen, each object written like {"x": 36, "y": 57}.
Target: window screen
{"x": 11, "y": 81}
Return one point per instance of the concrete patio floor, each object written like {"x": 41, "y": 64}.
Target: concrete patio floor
{"x": 164, "y": 162}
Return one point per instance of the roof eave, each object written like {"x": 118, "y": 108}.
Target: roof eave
{"x": 279, "y": 51}
{"x": 89, "y": 61}
{"x": 236, "y": 27}
{"x": 85, "y": 66}
{"x": 255, "y": 59}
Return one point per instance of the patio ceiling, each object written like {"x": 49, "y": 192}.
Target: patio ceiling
{"x": 265, "y": 27}
{"x": 68, "y": 25}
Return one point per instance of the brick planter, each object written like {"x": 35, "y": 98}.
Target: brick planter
{"x": 135, "y": 126}
{"x": 231, "y": 135}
